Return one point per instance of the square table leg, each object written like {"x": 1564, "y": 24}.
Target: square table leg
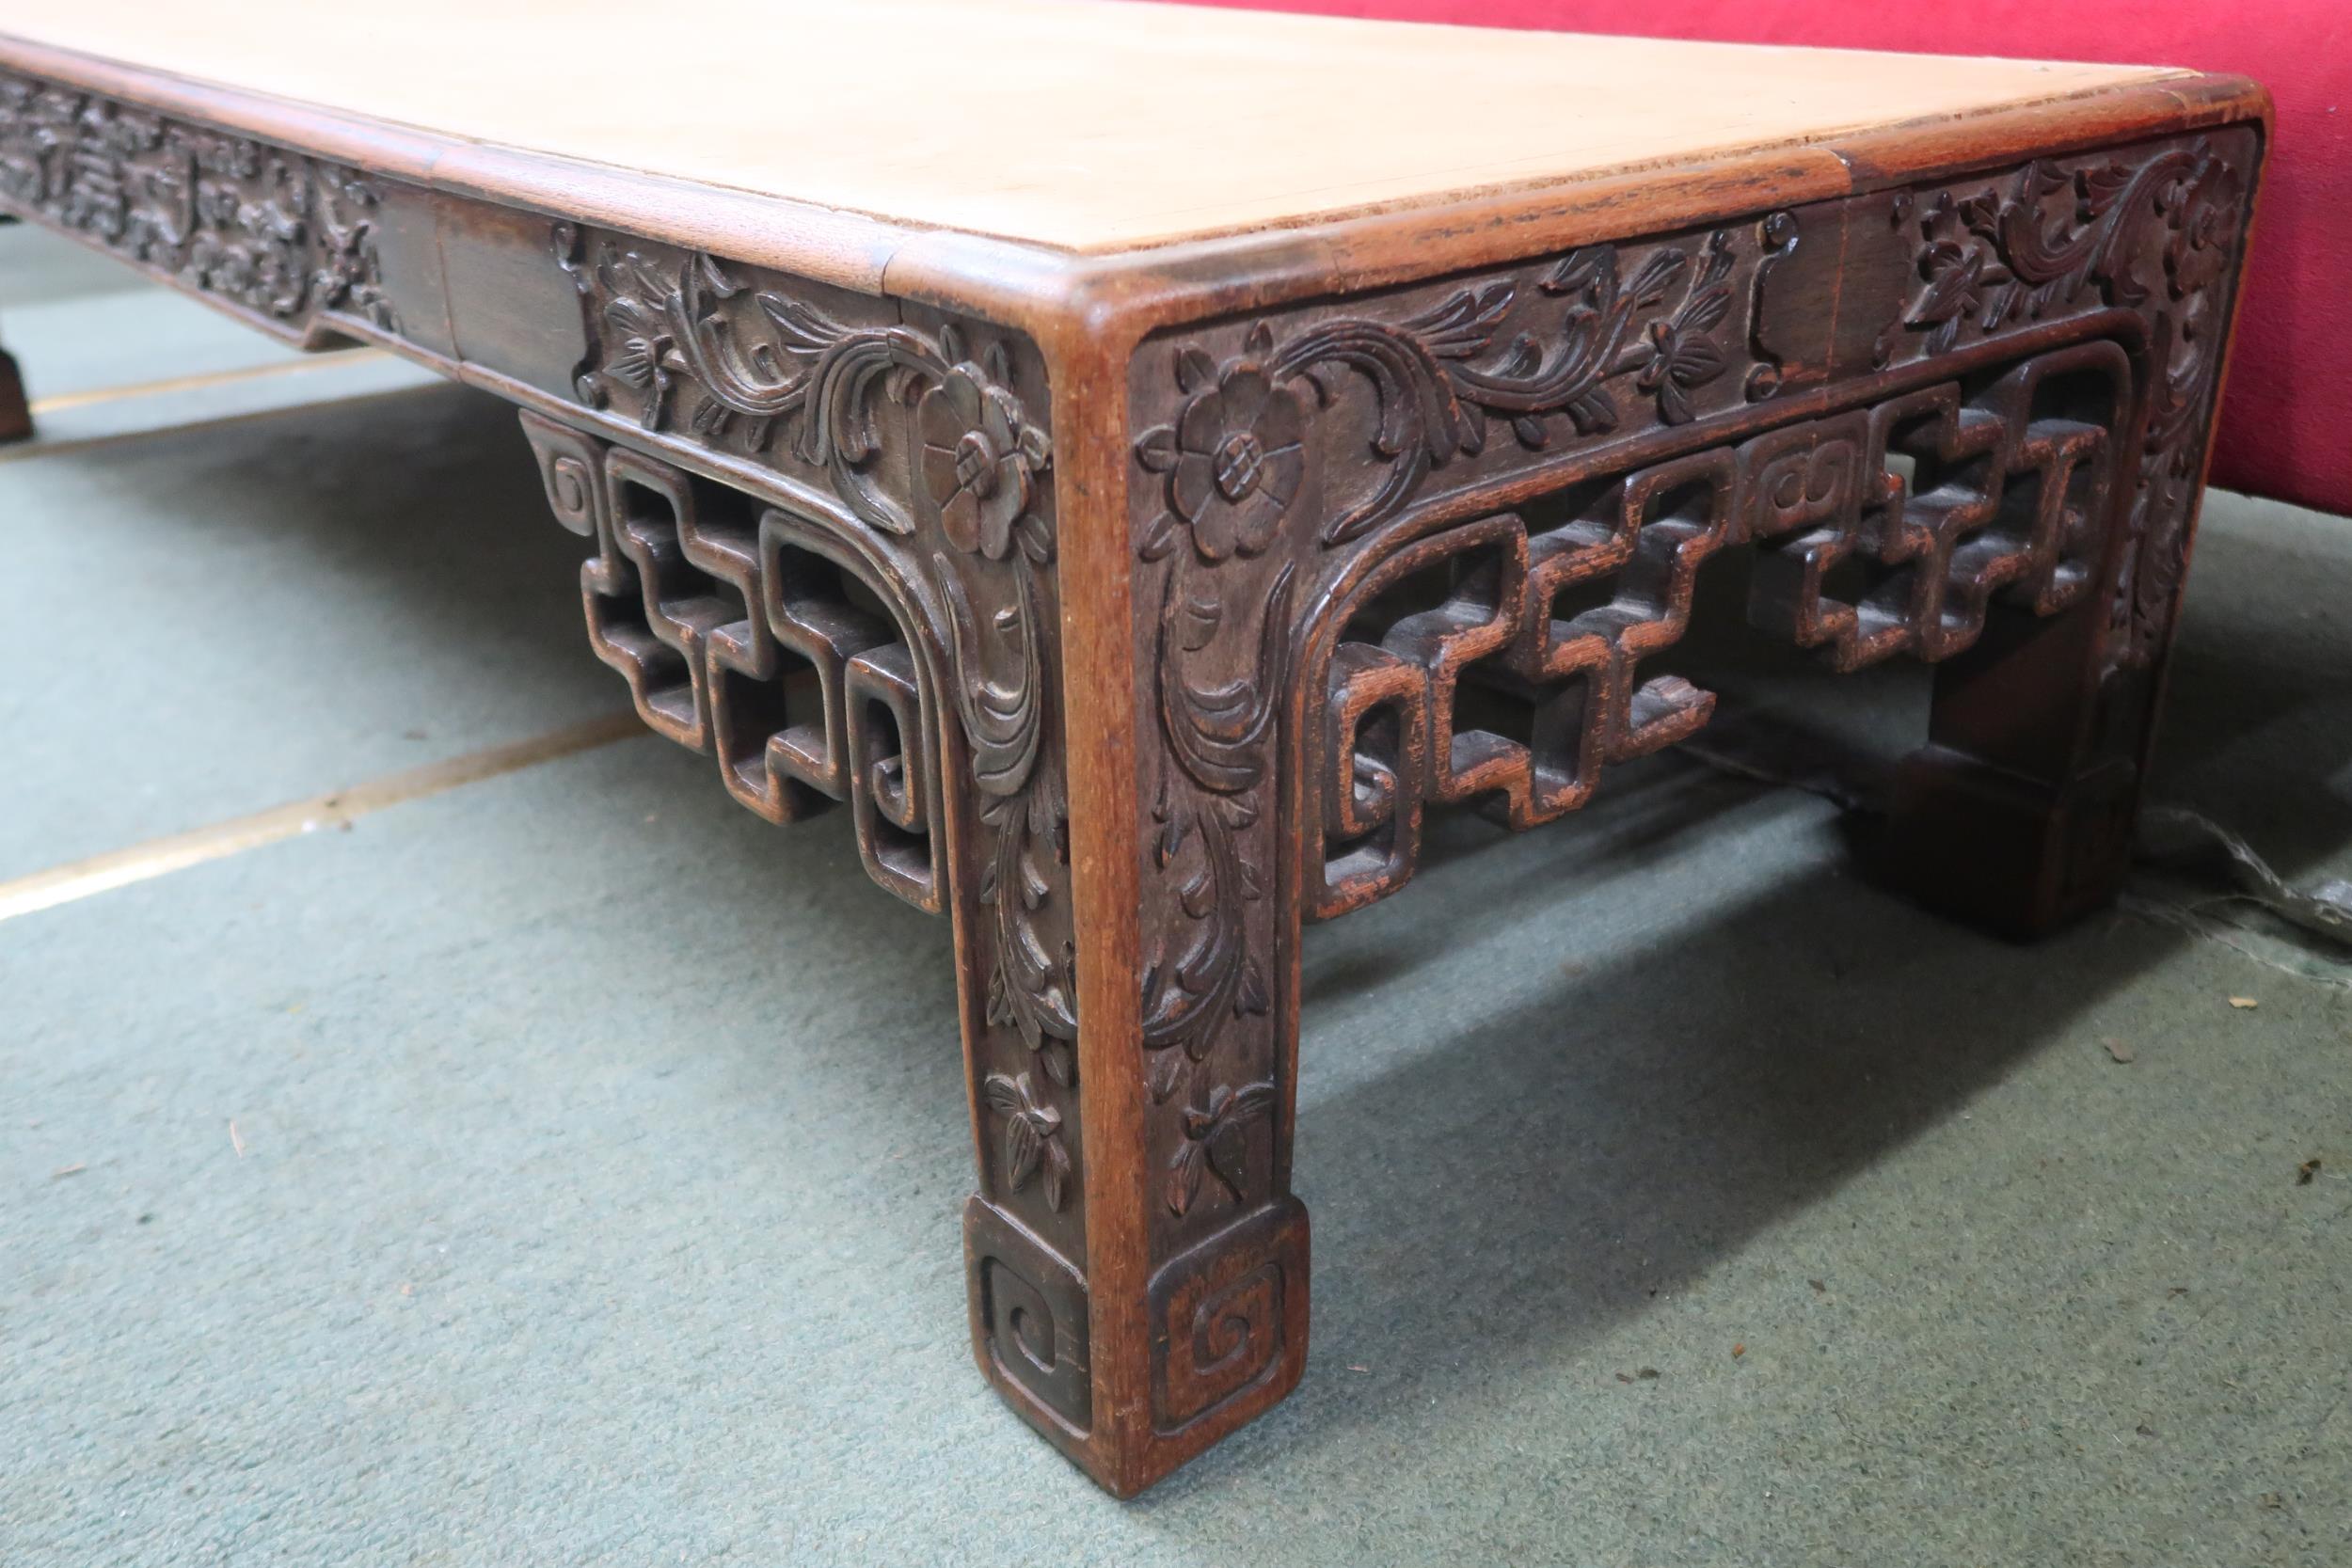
{"x": 16, "y": 415}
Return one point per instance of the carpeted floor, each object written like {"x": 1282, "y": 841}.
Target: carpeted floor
{"x": 565, "y": 1168}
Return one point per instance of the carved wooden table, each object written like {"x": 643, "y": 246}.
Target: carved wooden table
{"x": 1143, "y": 461}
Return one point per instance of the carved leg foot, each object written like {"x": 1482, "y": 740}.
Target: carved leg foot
{"x": 16, "y": 416}
{"x": 2017, "y": 815}
{"x": 1137, "y": 1266}
{"x": 1132, "y": 1386}
{"x": 2014, "y": 818}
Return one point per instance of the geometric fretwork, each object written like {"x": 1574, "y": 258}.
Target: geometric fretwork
{"x": 1497, "y": 662}
{"x": 739, "y": 635}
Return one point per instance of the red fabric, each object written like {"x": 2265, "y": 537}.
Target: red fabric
{"x": 2286, "y": 427}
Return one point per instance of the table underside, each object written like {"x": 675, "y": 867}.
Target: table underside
{"x": 1333, "y": 563}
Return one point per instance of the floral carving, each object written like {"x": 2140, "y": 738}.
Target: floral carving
{"x": 1232, "y": 458}
{"x": 1276, "y": 458}
{"x": 980, "y": 456}
{"x": 1237, "y": 454}
{"x": 1961, "y": 272}
{"x": 1682, "y": 353}
{"x": 1236, "y": 459}
{"x": 1999, "y": 256}
{"x": 1032, "y": 1137}
{"x": 2208, "y": 208}
{"x": 670, "y": 335}
{"x": 1217, "y": 734}
{"x": 1214, "y": 1141}
{"x": 279, "y": 233}
{"x": 688, "y": 345}
{"x": 1232, "y": 466}
{"x": 1033, "y": 987}
{"x": 349, "y": 276}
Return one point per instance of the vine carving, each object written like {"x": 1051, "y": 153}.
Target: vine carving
{"x": 275, "y": 232}
{"x": 1561, "y": 353}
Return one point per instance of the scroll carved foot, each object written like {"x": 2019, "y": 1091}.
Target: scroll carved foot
{"x": 1217, "y": 1337}
{"x": 1165, "y": 1304}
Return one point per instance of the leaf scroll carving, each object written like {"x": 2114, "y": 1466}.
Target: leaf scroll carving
{"x": 922, "y": 433}
{"x": 268, "y": 230}
{"x": 1234, "y": 456}
{"x": 1214, "y": 1135}
{"x": 700, "y": 352}
{"x": 1553, "y": 351}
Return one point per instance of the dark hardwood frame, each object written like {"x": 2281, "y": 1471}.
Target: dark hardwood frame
{"x": 1139, "y": 605}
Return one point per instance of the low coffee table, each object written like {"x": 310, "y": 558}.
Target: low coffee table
{"x": 1144, "y": 460}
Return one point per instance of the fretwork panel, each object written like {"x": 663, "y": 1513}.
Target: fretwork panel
{"x": 1499, "y": 662}
{"x": 738, "y": 636}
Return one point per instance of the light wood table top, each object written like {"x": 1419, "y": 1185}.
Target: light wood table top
{"x": 1077, "y": 125}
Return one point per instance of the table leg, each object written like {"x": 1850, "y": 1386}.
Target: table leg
{"x": 16, "y": 416}
{"x": 1137, "y": 1265}
{"x": 2018, "y": 813}
{"x": 1159, "y": 1301}
{"x": 1311, "y": 589}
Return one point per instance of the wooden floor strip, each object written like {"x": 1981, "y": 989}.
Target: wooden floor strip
{"x": 26, "y": 450}
{"x": 196, "y": 383}
{"x": 63, "y": 884}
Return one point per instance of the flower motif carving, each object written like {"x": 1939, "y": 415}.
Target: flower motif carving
{"x": 2155, "y": 235}
{"x": 2172, "y": 222}
{"x": 1233, "y": 457}
{"x": 1273, "y": 457}
{"x": 1032, "y": 1142}
{"x": 1242, "y": 450}
{"x": 1683, "y": 354}
{"x": 349, "y": 276}
{"x": 923, "y": 436}
{"x": 2208, "y": 208}
{"x": 980, "y": 456}
{"x": 1216, "y": 1142}
{"x": 694, "y": 349}
{"x": 1957, "y": 276}
{"x": 1235, "y": 467}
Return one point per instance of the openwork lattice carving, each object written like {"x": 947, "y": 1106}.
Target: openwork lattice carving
{"x": 741, "y": 632}
{"x": 1434, "y": 545}
{"x": 1516, "y": 674}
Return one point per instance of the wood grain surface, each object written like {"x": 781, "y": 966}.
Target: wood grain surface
{"x": 1079, "y": 124}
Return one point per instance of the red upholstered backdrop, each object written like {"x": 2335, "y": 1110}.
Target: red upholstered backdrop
{"x": 2286, "y": 428}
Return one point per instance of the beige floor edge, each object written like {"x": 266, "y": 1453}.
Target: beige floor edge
{"x": 138, "y": 863}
